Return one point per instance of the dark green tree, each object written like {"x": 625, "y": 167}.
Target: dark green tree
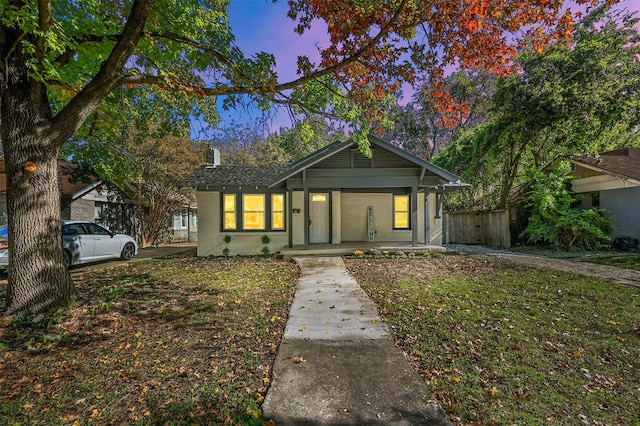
{"x": 575, "y": 98}
{"x": 553, "y": 221}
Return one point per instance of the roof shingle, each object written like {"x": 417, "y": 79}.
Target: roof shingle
{"x": 231, "y": 174}
{"x": 624, "y": 162}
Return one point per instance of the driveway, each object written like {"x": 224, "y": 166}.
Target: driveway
{"x": 143, "y": 253}
{"x": 603, "y": 272}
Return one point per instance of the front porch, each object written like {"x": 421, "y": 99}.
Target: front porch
{"x": 346, "y": 248}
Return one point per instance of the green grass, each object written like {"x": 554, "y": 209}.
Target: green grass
{"x": 499, "y": 344}
{"x": 171, "y": 341}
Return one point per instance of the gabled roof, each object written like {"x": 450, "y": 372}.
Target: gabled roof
{"x": 336, "y": 147}
{"x": 623, "y": 163}
{"x": 212, "y": 178}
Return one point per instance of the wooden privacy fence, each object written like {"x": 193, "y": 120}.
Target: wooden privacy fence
{"x": 489, "y": 228}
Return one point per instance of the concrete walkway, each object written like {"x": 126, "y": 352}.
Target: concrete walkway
{"x": 337, "y": 363}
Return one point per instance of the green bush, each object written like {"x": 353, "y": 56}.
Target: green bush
{"x": 226, "y": 251}
{"x": 265, "y": 240}
{"x": 555, "y": 222}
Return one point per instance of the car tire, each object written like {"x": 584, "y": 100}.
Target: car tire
{"x": 128, "y": 251}
{"x": 66, "y": 258}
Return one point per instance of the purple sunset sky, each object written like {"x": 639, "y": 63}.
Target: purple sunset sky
{"x": 260, "y": 25}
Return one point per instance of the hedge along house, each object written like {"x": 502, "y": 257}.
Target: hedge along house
{"x": 331, "y": 197}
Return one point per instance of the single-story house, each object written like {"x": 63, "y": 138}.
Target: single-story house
{"x": 611, "y": 181}
{"x": 335, "y": 195}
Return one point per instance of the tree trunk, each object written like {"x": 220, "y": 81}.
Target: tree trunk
{"x": 38, "y": 279}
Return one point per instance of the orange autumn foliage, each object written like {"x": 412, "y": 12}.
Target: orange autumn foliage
{"x": 375, "y": 46}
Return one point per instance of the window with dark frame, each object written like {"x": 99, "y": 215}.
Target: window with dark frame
{"x": 257, "y": 212}
{"x": 253, "y": 212}
{"x": 229, "y": 212}
{"x": 277, "y": 212}
{"x": 401, "y": 212}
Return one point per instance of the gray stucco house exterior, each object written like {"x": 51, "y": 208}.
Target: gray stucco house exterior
{"x": 611, "y": 181}
{"x": 335, "y": 195}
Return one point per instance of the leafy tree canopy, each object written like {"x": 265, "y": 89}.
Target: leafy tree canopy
{"x": 575, "y": 98}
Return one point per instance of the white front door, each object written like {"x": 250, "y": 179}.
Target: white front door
{"x": 319, "y": 218}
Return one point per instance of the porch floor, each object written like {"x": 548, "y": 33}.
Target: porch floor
{"x": 349, "y": 247}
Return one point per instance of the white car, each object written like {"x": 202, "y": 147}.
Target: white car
{"x": 84, "y": 242}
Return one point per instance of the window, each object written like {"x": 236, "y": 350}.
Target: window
{"x": 97, "y": 230}
{"x": 229, "y": 209}
{"x": 180, "y": 219}
{"x": 74, "y": 229}
{"x": 401, "y": 212}
{"x": 277, "y": 211}
{"x": 100, "y": 213}
{"x": 253, "y": 211}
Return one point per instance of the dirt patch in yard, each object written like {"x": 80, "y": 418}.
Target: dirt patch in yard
{"x": 604, "y": 272}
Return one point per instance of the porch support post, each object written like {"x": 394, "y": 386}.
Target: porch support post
{"x": 336, "y": 219}
{"x": 290, "y": 217}
{"x": 427, "y": 218}
{"x": 414, "y": 216}
{"x": 307, "y": 216}
{"x": 307, "y": 212}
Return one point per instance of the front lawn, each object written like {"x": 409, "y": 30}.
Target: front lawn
{"x": 192, "y": 341}
{"x": 173, "y": 341}
{"x": 500, "y": 344}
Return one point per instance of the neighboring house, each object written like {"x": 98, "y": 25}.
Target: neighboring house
{"x": 334, "y": 195}
{"x": 611, "y": 181}
{"x": 85, "y": 198}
